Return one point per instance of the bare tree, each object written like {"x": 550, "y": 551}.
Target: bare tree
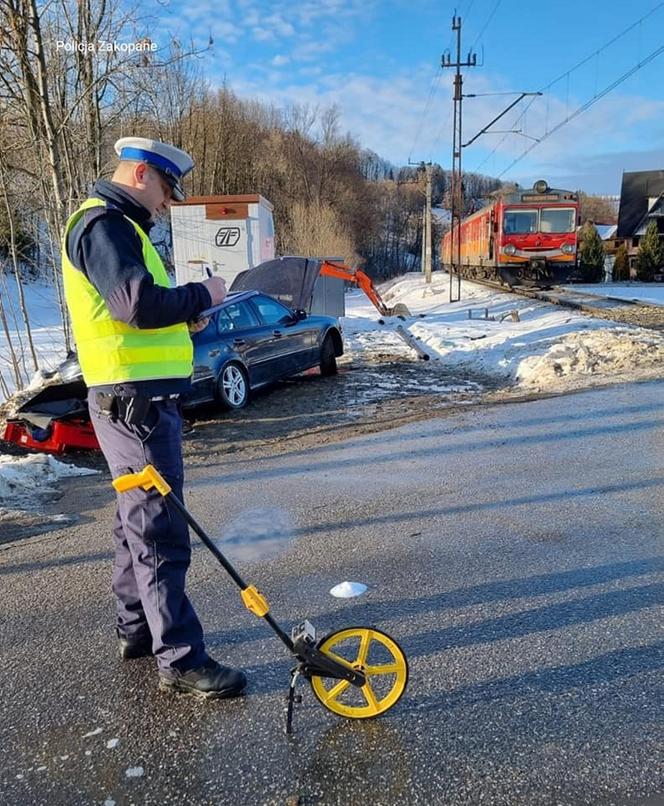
{"x": 13, "y": 250}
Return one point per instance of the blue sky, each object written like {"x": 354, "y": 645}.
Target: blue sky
{"x": 379, "y": 63}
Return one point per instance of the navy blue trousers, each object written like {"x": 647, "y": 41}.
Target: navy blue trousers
{"x": 152, "y": 545}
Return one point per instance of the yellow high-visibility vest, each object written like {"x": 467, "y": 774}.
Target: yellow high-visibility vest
{"x": 110, "y": 351}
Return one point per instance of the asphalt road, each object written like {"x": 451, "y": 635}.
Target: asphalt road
{"x": 515, "y": 552}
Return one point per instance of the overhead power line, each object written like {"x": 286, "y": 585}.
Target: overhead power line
{"x": 566, "y": 74}
{"x": 487, "y": 23}
{"x": 588, "y": 104}
{"x": 604, "y": 46}
{"x": 433, "y": 89}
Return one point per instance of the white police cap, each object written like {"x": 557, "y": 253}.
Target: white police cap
{"x": 172, "y": 162}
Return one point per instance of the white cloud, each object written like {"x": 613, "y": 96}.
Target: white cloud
{"x": 381, "y": 113}
{"x": 252, "y": 17}
{"x": 279, "y": 25}
{"x": 316, "y": 70}
{"x": 227, "y": 32}
{"x": 305, "y": 14}
{"x": 385, "y": 112}
{"x": 262, "y": 34}
{"x": 312, "y": 50}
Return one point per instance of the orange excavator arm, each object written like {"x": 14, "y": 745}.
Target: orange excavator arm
{"x": 363, "y": 281}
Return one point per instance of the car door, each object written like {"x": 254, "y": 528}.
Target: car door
{"x": 242, "y": 333}
{"x": 289, "y": 351}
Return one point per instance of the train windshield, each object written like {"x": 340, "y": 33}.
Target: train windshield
{"x": 519, "y": 222}
{"x": 557, "y": 220}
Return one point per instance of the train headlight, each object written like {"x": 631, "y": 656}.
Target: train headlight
{"x": 510, "y": 249}
{"x": 567, "y": 248}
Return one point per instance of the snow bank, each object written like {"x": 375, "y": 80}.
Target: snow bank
{"x": 25, "y": 480}
{"x": 549, "y": 348}
{"x": 616, "y": 353}
{"x": 521, "y": 343}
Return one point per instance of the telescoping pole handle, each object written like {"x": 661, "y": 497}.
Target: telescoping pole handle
{"x": 252, "y": 598}
{"x": 148, "y": 478}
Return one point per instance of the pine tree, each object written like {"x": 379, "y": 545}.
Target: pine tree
{"x": 591, "y": 254}
{"x": 651, "y": 254}
{"x": 621, "y": 264}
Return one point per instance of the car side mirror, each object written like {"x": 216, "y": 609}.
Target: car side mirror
{"x": 300, "y": 314}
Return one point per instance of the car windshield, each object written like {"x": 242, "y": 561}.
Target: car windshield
{"x": 519, "y": 222}
{"x": 557, "y": 220}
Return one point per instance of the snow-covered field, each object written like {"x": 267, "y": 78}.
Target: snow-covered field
{"x": 41, "y": 302}
{"x": 548, "y": 349}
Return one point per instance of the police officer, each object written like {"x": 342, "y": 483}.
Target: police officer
{"x": 136, "y": 356}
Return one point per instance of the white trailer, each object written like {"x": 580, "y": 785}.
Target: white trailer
{"x": 220, "y": 235}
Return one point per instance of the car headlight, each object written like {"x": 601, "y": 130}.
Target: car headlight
{"x": 567, "y": 248}
{"x": 510, "y": 249}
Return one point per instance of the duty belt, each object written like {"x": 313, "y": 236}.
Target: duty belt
{"x": 131, "y": 410}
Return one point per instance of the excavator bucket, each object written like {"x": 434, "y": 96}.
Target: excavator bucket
{"x": 399, "y": 310}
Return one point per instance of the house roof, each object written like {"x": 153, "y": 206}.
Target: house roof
{"x": 655, "y": 210}
{"x": 637, "y": 188}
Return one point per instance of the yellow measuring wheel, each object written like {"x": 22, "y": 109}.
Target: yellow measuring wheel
{"x": 358, "y": 672}
{"x": 378, "y": 657}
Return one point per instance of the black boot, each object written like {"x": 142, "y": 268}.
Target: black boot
{"x": 211, "y": 681}
{"x": 130, "y": 647}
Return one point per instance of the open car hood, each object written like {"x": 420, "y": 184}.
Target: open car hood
{"x": 291, "y": 280}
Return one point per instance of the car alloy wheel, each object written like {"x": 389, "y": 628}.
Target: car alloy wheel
{"x": 233, "y": 387}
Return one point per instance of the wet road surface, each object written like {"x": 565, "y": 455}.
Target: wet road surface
{"x": 514, "y": 551}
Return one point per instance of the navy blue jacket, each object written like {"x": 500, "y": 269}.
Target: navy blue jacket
{"x": 107, "y": 249}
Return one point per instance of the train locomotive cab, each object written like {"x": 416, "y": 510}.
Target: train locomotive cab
{"x": 537, "y": 236}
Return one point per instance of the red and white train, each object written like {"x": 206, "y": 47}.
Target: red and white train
{"x": 526, "y": 237}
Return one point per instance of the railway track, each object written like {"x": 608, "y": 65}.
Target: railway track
{"x": 629, "y": 312}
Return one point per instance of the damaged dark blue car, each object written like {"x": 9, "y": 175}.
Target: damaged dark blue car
{"x": 253, "y": 340}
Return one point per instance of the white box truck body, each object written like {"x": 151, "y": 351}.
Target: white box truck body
{"x": 224, "y": 235}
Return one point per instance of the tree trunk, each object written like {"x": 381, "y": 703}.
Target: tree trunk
{"x": 15, "y": 263}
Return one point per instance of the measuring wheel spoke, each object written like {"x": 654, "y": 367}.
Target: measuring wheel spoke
{"x": 387, "y": 668}
{"x": 370, "y": 697}
{"x": 338, "y": 659}
{"x": 365, "y": 640}
{"x": 333, "y": 693}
